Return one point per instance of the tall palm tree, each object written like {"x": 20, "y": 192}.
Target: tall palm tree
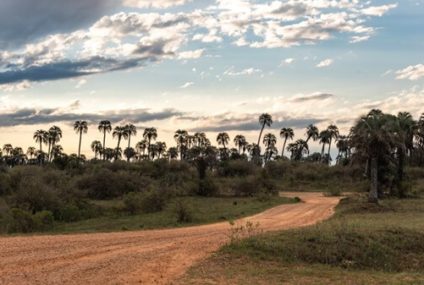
{"x": 41, "y": 136}
{"x": 286, "y": 134}
{"x": 80, "y": 127}
{"x": 180, "y": 137}
{"x": 129, "y": 153}
{"x": 324, "y": 139}
{"x": 239, "y": 141}
{"x": 200, "y": 139}
{"x": 269, "y": 141}
{"x": 104, "y": 127}
{"x": 333, "y": 132}
{"x": 97, "y": 148}
{"x": 131, "y": 131}
{"x": 264, "y": 120}
{"x": 57, "y": 151}
{"x": 149, "y": 135}
{"x": 173, "y": 153}
{"x": 312, "y": 132}
{"x": 223, "y": 139}
{"x": 119, "y": 132}
{"x": 54, "y": 136}
{"x": 7, "y": 149}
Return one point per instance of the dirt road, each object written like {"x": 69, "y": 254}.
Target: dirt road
{"x": 144, "y": 257}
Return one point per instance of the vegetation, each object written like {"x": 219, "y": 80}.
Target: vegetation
{"x": 362, "y": 244}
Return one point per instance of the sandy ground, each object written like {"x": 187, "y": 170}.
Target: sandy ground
{"x": 143, "y": 257}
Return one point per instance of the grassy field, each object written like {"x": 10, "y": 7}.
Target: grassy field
{"x": 361, "y": 244}
{"x": 204, "y": 210}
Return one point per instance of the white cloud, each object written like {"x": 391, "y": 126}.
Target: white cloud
{"x": 16, "y": 87}
{"x": 186, "y": 85}
{"x": 192, "y": 54}
{"x": 247, "y": 71}
{"x": 378, "y": 10}
{"x": 325, "y": 63}
{"x": 411, "y": 72}
{"x": 160, "y": 4}
{"x": 287, "y": 61}
{"x": 81, "y": 83}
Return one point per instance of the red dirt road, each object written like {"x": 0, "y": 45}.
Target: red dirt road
{"x": 143, "y": 257}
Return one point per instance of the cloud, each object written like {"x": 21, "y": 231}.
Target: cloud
{"x": 192, "y": 54}
{"x": 244, "y": 72}
{"x": 186, "y": 85}
{"x": 81, "y": 83}
{"x": 411, "y": 72}
{"x": 15, "y": 87}
{"x": 325, "y": 63}
{"x": 22, "y": 21}
{"x": 33, "y": 116}
{"x": 313, "y": 97}
{"x": 287, "y": 61}
{"x": 378, "y": 10}
{"x": 160, "y": 4}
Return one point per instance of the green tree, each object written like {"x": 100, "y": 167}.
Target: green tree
{"x": 264, "y": 120}
{"x": 104, "y": 127}
{"x": 80, "y": 127}
{"x": 286, "y": 134}
{"x": 223, "y": 139}
{"x": 150, "y": 134}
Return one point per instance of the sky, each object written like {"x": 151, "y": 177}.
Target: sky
{"x": 205, "y": 65}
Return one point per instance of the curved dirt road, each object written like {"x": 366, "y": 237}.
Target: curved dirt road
{"x": 143, "y": 257}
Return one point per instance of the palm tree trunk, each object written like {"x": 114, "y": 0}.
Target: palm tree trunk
{"x": 401, "y": 165}
{"x": 322, "y": 150}
{"x": 129, "y": 140}
{"x": 284, "y": 147}
{"x": 373, "y": 195}
{"x": 104, "y": 145}
{"x": 49, "y": 148}
{"x": 260, "y": 134}
{"x": 79, "y": 146}
{"x": 41, "y": 146}
{"x": 148, "y": 149}
{"x": 329, "y": 148}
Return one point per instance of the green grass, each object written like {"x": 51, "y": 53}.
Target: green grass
{"x": 204, "y": 211}
{"x": 361, "y": 244}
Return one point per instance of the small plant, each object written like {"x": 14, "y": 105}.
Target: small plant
{"x": 183, "y": 212}
{"x": 247, "y": 230}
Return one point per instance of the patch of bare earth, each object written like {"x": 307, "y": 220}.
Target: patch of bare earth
{"x": 143, "y": 257}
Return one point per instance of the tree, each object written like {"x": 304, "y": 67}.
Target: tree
{"x": 97, "y": 148}
{"x": 173, "y": 153}
{"x": 57, "y": 151}
{"x": 269, "y": 141}
{"x": 131, "y": 131}
{"x": 31, "y": 152}
{"x": 200, "y": 139}
{"x": 180, "y": 137}
{"x": 333, "y": 133}
{"x": 312, "y": 132}
{"x": 240, "y": 142}
{"x": 373, "y": 138}
{"x": 286, "y": 134}
{"x": 54, "y": 136}
{"x": 223, "y": 139}
{"x": 324, "y": 139}
{"x": 141, "y": 147}
{"x": 41, "y": 137}
{"x": 80, "y": 127}
{"x": 264, "y": 120}
{"x": 161, "y": 148}
{"x": 119, "y": 132}
{"x": 104, "y": 127}
{"x": 7, "y": 149}
{"x": 129, "y": 153}
{"x": 149, "y": 135}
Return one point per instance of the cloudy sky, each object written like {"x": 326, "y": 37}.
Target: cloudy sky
{"x": 211, "y": 65}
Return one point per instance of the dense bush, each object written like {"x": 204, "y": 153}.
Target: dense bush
{"x": 236, "y": 168}
{"x": 23, "y": 221}
{"x": 183, "y": 212}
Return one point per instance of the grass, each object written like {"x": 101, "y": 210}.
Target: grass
{"x": 361, "y": 244}
{"x": 204, "y": 211}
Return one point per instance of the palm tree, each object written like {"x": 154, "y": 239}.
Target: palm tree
{"x": 8, "y": 148}
{"x": 80, "y": 127}
{"x": 239, "y": 142}
{"x": 131, "y": 131}
{"x": 40, "y": 137}
{"x": 173, "y": 153}
{"x": 324, "y": 138}
{"x": 180, "y": 137}
{"x": 54, "y": 136}
{"x": 223, "y": 139}
{"x": 97, "y": 148}
{"x": 57, "y": 151}
{"x": 200, "y": 139}
{"x": 129, "y": 153}
{"x": 31, "y": 152}
{"x": 269, "y": 141}
{"x": 161, "y": 148}
{"x": 141, "y": 147}
{"x": 119, "y": 132}
{"x": 312, "y": 132}
{"x": 286, "y": 134}
{"x": 149, "y": 135}
{"x": 264, "y": 120}
{"x": 104, "y": 127}
{"x": 333, "y": 133}
{"x": 373, "y": 138}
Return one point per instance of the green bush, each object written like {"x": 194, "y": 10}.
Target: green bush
{"x": 133, "y": 202}
{"x": 207, "y": 187}
{"x": 183, "y": 212}
{"x": 236, "y": 168}
{"x": 43, "y": 220}
{"x": 153, "y": 201}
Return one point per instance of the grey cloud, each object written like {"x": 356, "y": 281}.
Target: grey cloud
{"x": 31, "y": 116}
{"x": 321, "y": 96}
{"x": 22, "y": 21}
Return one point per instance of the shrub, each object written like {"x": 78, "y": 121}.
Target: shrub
{"x": 43, "y": 220}
{"x": 133, "y": 202}
{"x": 183, "y": 212}
{"x": 153, "y": 201}
{"x": 20, "y": 221}
{"x": 236, "y": 168}
{"x": 207, "y": 187}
